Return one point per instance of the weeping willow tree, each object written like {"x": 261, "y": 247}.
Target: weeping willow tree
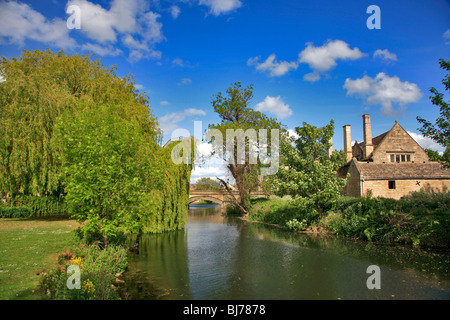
{"x": 39, "y": 86}
{"x": 72, "y": 126}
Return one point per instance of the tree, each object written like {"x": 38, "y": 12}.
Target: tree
{"x": 39, "y": 86}
{"x": 69, "y": 125}
{"x": 440, "y": 130}
{"x": 307, "y": 172}
{"x": 207, "y": 184}
{"x": 237, "y": 117}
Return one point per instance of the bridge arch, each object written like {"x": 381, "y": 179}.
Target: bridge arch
{"x": 194, "y": 199}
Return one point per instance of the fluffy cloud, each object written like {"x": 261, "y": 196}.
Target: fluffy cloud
{"x": 19, "y": 22}
{"x": 218, "y": 7}
{"x": 384, "y": 90}
{"x": 185, "y": 82}
{"x": 175, "y": 11}
{"x": 385, "y": 55}
{"x": 208, "y": 165}
{"x": 275, "y": 68}
{"x": 101, "y": 50}
{"x": 446, "y": 36}
{"x": 323, "y": 58}
{"x": 320, "y": 59}
{"x": 426, "y": 142}
{"x": 274, "y": 105}
{"x": 126, "y": 21}
{"x": 169, "y": 122}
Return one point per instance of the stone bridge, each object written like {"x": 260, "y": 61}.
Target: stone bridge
{"x": 220, "y": 196}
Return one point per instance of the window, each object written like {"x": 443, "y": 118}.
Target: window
{"x": 391, "y": 184}
{"x": 400, "y": 158}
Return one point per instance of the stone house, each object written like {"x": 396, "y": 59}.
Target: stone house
{"x": 391, "y": 164}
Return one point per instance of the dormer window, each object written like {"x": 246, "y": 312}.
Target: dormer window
{"x": 400, "y": 158}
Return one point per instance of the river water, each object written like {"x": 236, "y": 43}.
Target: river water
{"x": 217, "y": 257}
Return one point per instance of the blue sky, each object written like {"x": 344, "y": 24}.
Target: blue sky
{"x": 309, "y": 61}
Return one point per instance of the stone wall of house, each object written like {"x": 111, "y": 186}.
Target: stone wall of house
{"x": 398, "y": 141}
{"x": 380, "y": 188}
{"x": 353, "y": 187}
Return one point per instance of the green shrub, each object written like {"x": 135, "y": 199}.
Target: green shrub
{"x": 14, "y": 212}
{"x": 38, "y": 206}
{"x": 98, "y": 269}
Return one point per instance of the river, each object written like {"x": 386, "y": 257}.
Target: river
{"x": 224, "y": 258}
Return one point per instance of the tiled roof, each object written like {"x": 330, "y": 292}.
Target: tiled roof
{"x": 427, "y": 170}
{"x": 375, "y": 141}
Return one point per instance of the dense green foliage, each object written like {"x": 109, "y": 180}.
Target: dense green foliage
{"x": 98, "y": 269}
{"x": 307, "y": 172}
{"x": 51, "y": 205}
{"x": 207, "y": 184}
{"x": 14, "y": 212}
{"x": 72, "y": 127}
{"x": 39, "y": 87}
{"x": 420, "y": 218}
{"x": 440, "y": 130}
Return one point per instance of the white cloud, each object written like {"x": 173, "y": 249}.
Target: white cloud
{"x": 211, "y": 171}
{"x": 312, "y": 77}
{"x": 274, "y": 105}
{"x": 194, "y": 112}
{"x": 384, "y": 90}
{"x": 175, "y": 11}
{"x": 446, "y": 36}
{"x": 323, "y": 58}
{"x": 292, "y": 133}
{"x": 19, "y": 22}
{"x": 169, "y": 122}
{"x": 385, "y": 55}
{"x": 178, "y": 62}
{"x": 164, "y": 103}
{"x": 101, "y": 50}
{"x": 275, "y": 68}
{"x": 126, "y": 21}
{"x": 185, "y": 82}
{"x": 218, "y": 7}
{"x": 426, "y": 142}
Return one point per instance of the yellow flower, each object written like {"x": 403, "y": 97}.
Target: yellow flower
{"x": 88, "y": 287}
{"x": 77, "y": 261}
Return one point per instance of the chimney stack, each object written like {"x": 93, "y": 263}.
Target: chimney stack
{"x": 348, "y": 142}
{"x": 330, "y": 149}
{"x": 368, "y": 146}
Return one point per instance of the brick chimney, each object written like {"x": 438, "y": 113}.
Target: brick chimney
{"x": 348, "y": 142}
{"x": 330, "y": 149}
{"x": 368, "y": 146}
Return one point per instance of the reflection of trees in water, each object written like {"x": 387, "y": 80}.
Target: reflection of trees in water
{"x": 159, "y": 270}
{"x": 429, "y": 265}
{"x": 219, "y": 257}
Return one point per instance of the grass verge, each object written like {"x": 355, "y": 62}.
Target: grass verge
{"x": 27, "y": 247}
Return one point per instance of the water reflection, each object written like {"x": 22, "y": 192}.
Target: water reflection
{"x": 217, "y": 257}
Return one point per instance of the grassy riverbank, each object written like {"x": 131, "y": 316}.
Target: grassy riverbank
{"x": 35, "y": 253}
{"x": 27, "y": 247}
{"x": 421, "y": 219}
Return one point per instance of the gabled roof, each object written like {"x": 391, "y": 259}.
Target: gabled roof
{"x": 375, "y": 141}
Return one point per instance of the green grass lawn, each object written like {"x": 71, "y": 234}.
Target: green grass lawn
{"x": 28, "y": 246}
